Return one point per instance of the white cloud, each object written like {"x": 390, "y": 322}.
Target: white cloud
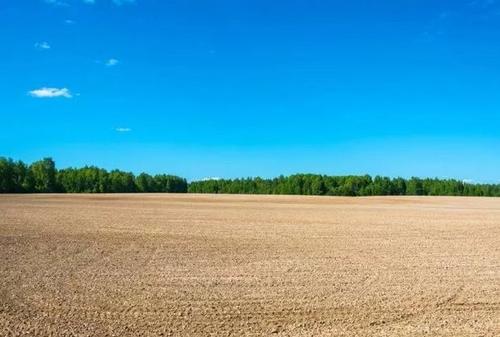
{"x": 112, "y": 62}
{"x": 211, "y": 178}
{"x": 123, "y": 129}
{"x": 50, "y": 93}
{"x": 69, "y": 22}
{"x": 42, "y": 45}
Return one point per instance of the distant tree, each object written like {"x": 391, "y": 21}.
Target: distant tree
{"x": 44, "y": 175}
{"x": 414, "y": 187}
{"x": 318, "y": 185}
{"x": 7, "y": 176}
{"x": 121, "y": 182}
{"x": 145, "y": 183}
{"x": 22, "y": 178}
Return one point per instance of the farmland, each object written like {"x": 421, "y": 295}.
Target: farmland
{"x": 220, "y": 265}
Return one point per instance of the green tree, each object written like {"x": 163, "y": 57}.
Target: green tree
{"x": 44, "y": 175}
{"x": 145, "y": 183}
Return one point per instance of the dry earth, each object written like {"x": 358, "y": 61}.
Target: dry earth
{"x": 202, "y": 265}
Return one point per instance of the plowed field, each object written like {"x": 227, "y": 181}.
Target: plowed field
{"x": 202, "y": 265}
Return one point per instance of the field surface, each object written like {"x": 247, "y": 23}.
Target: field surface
{"x": 202, "y": 265}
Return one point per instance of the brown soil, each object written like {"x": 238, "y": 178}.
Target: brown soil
{"x": 203, "y": 265}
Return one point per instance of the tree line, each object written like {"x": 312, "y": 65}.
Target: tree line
{"x": 314, "y": 184}
{"x": 43, "y": 177}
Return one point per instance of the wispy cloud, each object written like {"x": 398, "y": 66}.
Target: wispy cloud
{"x": 51, "y": 93}
{"x": 446, "y": 21}
{"x": 116, "y": 2}
{"x": 57, "y": 2}
{"x": 111, "y": 62}
{"x": 121, "y": 2}
{"x": 123, "y": 129}
{"x": 486, "y": 9}
{"x": 69, "y": 22}
{"x": 42, "y": 45}
{"x": 483, "y": 3}
{"x": 88, "y": 2}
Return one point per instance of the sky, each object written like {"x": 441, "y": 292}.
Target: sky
{"x": 226, "y": 88}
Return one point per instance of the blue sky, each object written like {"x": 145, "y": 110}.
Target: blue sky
{"x": 254, "y": 88}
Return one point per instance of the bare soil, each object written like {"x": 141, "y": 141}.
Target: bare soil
{"x": 204, "y": 265}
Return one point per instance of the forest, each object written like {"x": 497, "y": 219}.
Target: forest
{"x": 314, "y": 184}
{"x": 43, "y": 177}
